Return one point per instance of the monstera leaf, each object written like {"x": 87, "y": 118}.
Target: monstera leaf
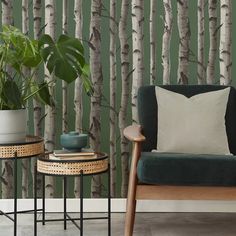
{"x": 10, "y": 95}
{"x": 87, "y": 84}
{"x": 41, "y": 93}
{"x": 65, "y": 57}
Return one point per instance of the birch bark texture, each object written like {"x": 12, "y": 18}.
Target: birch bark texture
{"x": 113, "y": 115}
{"x": 64, "y": 84}
{"x": 7, "y": 166}
{"x": 37, "y": 16}
{"x": 25, "y": 163}
{"x": 78, "y": 98}
{"x": 49, "y": 130}
{"x": 201, "y": 41}
{"x": 212, "y": 11}
{"x": 153, "y": 40}
{"x": 166, "y": 39}
{"x": 225, "y": 49}
{"x": 138, "y": 55}
{"x": 97, "y": 81}
{"x": 184, "y": 39}
{"x": 125, "y": 81}
{"x": 7, "y": 12}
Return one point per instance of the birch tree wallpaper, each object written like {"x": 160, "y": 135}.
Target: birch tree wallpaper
{"x": 128, "y": 43}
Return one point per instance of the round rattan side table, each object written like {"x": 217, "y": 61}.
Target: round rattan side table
{"x": 30, "y": 147}
{"x": 76, "y": 167}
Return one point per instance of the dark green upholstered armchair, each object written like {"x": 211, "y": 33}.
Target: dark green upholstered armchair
{"x": 177, "y": 176}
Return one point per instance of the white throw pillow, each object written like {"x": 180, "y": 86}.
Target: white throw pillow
{"x": 192, "y": 125}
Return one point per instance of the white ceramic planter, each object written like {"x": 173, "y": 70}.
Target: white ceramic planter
{"x": 12, "y": 125}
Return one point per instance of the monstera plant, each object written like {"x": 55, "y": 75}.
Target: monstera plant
{"x": 63, "y": 58}
{"x": 20, "y": 59}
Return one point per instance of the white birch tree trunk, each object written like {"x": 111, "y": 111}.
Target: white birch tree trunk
{"x": 113, "y": 34}
{"x": 25, "y": 16}
{"x": 97, "y": 81}
{"x": 78, "y": 99}
{"x": 212, "y": 11}
{"x": 153, "y": 40}
{"x": 49, "y": 132}
{"x": 200, "y": 39}
{"x": 7, "y": 11}
{"x": 37, "y": 15}
{"x": 225, "y": 48}
{"x": 7, "y": 166}
{"x": 138, "y": 56}
{"x": 124, "y": 55}
{"x": 25, "y": 162}
{"x": 184, "y": 38}
{"x": 64, "y": 83}
{"x": 166, "y": 38}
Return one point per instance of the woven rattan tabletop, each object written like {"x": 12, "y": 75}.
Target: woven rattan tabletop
{"x": 31, "y": 146}
{"x": 65, "y": 167}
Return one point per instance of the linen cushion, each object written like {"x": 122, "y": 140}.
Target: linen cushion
{"x": 192, "y": 125}
{"x": 148, "y": 111}
{"x": 186, "y": 169}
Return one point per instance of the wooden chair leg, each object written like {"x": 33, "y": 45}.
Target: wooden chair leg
{"x": 130, "y": 217}
{"x": 131, "y": 199}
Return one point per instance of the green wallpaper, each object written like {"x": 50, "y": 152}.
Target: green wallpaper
{"x": 105, "y": 57}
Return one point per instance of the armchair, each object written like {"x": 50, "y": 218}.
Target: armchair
{"x": 177, "y": 176}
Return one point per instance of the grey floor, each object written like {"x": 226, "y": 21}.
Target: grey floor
{"x": 147, "y": 224}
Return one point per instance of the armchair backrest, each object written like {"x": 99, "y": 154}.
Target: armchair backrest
{"x": 148, "y": 111}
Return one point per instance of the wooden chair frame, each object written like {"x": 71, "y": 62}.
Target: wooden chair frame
{"x": 137, "y": 191}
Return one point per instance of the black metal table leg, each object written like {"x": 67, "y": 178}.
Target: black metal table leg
{"x": 43, "y": 201}
{"x": 102, "y": 157}
{"x": 81, "y": 202}
{"x": 109, "y": 200}
{"x": 35, "y": 199}
{"x": 30, "y": 147}
{"x": 65, "y": 196}
{"x": 15, "y": 195}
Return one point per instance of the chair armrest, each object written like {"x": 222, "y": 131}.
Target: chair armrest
{"x": 133, "y": 133}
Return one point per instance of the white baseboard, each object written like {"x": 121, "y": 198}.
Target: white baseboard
{"x": 118, "y": 205}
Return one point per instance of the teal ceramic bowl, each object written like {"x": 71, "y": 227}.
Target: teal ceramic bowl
{"x": 73, "y": 141}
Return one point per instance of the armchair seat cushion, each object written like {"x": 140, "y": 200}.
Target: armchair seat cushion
{"x": 186, "y": 169}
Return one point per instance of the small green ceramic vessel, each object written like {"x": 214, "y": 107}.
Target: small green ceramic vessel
{"x": 74, "y": 141}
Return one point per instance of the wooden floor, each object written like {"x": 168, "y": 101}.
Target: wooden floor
{"x": 147, "y": 224}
